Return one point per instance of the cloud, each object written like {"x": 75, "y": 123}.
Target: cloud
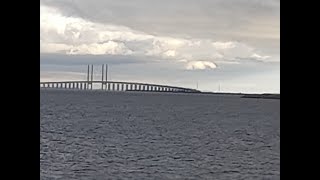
{"x": 255, "y": 22}
{"x": 258, "y": 57}
{"x": 77, "y": 36}
{"x": 223, "y": 45}
{"x": 110, "y": 47}
{"x": 193, "y": 65}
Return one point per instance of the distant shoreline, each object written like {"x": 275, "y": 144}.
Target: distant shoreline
{"x": 244, "y": 95}
{"x": 263, "y": 96}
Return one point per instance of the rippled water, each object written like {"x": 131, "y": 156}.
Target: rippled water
{"x": 99, "y": 135}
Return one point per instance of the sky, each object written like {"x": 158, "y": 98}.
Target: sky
{"x": 231, "y": 44}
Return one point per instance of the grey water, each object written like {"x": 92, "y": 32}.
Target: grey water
{"x": 132, "y": 135}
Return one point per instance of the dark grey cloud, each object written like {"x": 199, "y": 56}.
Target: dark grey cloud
{"x": 202, "y": 19}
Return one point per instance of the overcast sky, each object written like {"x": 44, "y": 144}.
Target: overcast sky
{"x": 231, "y": 43}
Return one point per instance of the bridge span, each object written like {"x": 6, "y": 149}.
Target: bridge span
{"x": 107, "y": 85}
{"x": 115, "y": 86}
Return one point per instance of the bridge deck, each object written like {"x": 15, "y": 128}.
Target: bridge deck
{"x": 115, "y": 86}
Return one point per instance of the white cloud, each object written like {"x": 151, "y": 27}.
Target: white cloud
{"x": 110, "y": 47}
{"x": 170, "y": 53}
{"x": 258, "y": 57}
{"x": 77, "y": 36}
{"x": 193, "y": 65}
{"x": 223, "y": 45}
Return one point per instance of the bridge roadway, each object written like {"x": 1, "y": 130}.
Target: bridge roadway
{"x": 115, "y": 86}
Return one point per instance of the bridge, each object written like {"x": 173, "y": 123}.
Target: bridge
{"x": 107, "y": 85}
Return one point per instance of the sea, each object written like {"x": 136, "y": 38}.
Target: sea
{"x": 143, "y": 135}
